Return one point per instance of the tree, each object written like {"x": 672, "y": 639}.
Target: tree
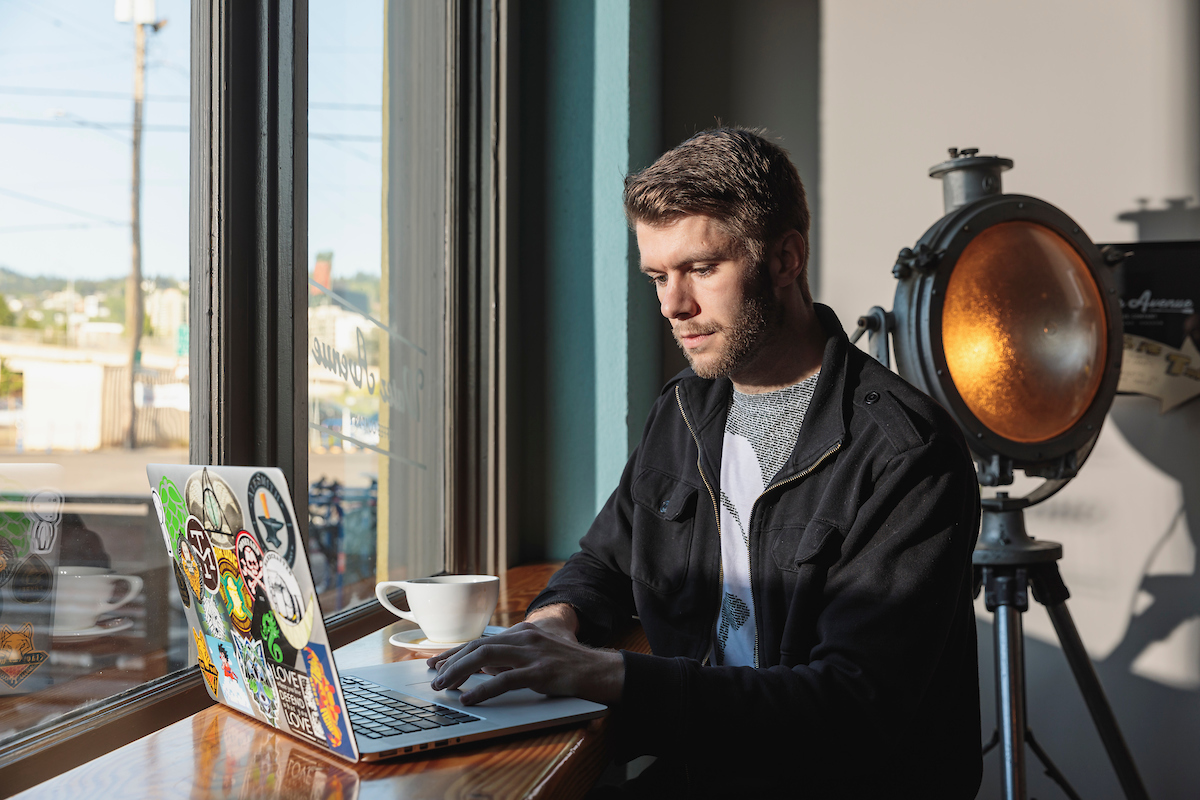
{"x": 7, "y": 317}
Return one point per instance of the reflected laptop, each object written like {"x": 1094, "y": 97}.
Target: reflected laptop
{"x": 259, "y": 637}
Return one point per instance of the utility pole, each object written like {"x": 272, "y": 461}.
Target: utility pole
{"x": 133, "y": 292}
{"x": 142, "y": 14}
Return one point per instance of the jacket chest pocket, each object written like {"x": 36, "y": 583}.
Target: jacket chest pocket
{"x": 794, "y": 546}
{"x": 664, "y": 516}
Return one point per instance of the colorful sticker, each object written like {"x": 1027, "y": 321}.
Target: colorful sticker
{"x": 206, "y": 663}
{"x": 206, "y": 559}
{"x": 45, "y": 511}
{"x": 294, "y": 617}
{"x": 191, "y": 568}
{"x": 8, "y": 561}
{"x": 210, "y": 500}
{"x": 18, "y": 657}
{"x": 272, "y": 521}
{"x": 266, "y": 627}
{"x": 258, "y": 677}
{"x": 174, "y": 511}
{"x": 229, "y": 675}
{"x": 250, "y": 560}
{"x": 297, "y": 704}
{"x": 237, "y": 599}
{"x": 333, "y": 717}
{"x": 181, "y": 583}
{"x": 33, "y": 581}
{"x": 212, "y": 620}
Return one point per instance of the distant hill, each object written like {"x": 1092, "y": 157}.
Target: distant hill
{"x": 14, "y": 284}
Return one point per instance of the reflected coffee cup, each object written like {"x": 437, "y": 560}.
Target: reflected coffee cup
{"x": 449, "y": 608}
{"x": 84, "y": 593}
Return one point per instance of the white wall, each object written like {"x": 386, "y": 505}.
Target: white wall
{"x": 1096, "y": 102}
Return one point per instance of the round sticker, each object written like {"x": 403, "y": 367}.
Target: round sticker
{"x": 210, "y": 500}
{"x": 250, "y": 560}
{"x": 282, "y": 588}
{"x": 32, "y": 581}
{"x": 181, "y": 583}
{"x": 272, "y": 522}
{"x": 237, "y": 599}
{"x": 206, "y": 558}
{"x": 8, "y": 560}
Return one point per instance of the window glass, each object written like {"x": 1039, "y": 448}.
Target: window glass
{"x": 377, "y": 154}
{"x": 88, "y": 602}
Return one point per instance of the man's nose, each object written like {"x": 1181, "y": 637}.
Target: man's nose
{"x": 676, "y": 302}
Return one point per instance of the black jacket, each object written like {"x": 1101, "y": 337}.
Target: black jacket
{"x": 860, "y": 551}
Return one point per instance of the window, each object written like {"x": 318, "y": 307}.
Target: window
{"x": 94, "y": 340}
{"x": 376, "y": 294}
{"x": 247, "y": 303}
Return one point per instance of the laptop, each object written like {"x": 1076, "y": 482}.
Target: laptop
{"x": 241, "y": 568}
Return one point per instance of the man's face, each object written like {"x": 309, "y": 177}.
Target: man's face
{"x": 720, "y": 306}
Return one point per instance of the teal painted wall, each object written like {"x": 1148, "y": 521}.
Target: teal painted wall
{"x": 588, "y": 352}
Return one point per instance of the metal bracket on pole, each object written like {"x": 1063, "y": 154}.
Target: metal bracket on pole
{"x": 879, "y": 324}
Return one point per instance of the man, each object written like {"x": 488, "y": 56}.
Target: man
{"x": 794, "y": 531}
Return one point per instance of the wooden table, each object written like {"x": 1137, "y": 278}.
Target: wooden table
{"x": 219, "y": 753}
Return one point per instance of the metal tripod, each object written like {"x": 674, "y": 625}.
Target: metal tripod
{"x": 1007, "y": 562}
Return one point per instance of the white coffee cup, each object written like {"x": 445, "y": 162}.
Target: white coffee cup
{"x": 449, "y": 608}
{"x": 84, "y": 593}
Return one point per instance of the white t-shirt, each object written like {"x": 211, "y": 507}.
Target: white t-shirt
{"x": 760, "y": 433}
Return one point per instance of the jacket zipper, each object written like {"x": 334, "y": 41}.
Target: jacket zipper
{"x": 754, "y": 507}
{"x": 716, "y": 513}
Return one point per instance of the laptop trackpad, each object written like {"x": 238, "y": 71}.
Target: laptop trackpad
{"x": 449, "y": 697}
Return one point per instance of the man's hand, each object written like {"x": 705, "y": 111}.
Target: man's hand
{"x": 539, "y": 654}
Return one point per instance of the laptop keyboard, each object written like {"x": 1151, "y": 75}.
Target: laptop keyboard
{"x": 376, "y": 712}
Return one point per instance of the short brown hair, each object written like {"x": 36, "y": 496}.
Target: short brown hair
{"x": 733, "y": 175}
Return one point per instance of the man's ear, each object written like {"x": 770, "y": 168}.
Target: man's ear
{"x": 791, "y": 256}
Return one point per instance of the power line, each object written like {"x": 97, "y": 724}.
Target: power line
{"x": 84, "y": 123}
{"x": 59, "y": 207}
{"x": 53, "y": 226}
{"x": 38, "y": 91}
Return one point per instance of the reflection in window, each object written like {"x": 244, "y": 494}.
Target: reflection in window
{"x": 88, "y": 604}
{"x": 376, "y": 294}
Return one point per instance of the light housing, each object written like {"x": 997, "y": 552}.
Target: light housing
{"x": 1007, "y": 314}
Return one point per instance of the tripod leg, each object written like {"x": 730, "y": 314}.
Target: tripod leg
{"x": 1010, "y": 700}
{"x": 1097, "y": 703}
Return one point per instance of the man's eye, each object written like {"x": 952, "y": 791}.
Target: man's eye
{"x": 702, "y": 270}
{"x": 658, "y": 280}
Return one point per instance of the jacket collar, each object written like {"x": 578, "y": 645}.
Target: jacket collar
{"x": 706, "y": 405}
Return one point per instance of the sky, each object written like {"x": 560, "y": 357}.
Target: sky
{"x": 66, "y": 109}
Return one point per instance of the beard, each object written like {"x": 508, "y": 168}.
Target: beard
{"x": 743, "y": 338}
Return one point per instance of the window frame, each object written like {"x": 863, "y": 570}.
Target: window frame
{"x": 248, "y": 248}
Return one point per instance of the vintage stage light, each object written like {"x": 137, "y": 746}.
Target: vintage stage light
{"x": 1007, "y": 314}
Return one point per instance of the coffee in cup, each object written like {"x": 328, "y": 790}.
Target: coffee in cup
{"x": 82, "y": 594}
{"x": 449, "y": 608}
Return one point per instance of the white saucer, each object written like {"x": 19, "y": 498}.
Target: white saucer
{"x": 102, "y": 628}
{"x": 415, "y": 639}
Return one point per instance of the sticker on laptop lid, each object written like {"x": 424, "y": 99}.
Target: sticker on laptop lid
{"x": 272, "y": 521}
{"x": 259, "y": 682}
{"x": 229, "y": 676}
{"x": 174, "y": 511}
{"x": 238, "y": 601}
{"x": 181, "y": 583}
{"x": 266, "y": 628}
{"x": 210, "y": 500}
{"x": 205, "y": 662}
{"x": 186, "y": 560}
{"x": 329, "y": 700}
{"x": 212, "y": 617}
{"x": 294, "y": 616}
{"x": 206, "y": 557}
{"x": 298, "y": 705}
{"x": 250, "y": 560}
